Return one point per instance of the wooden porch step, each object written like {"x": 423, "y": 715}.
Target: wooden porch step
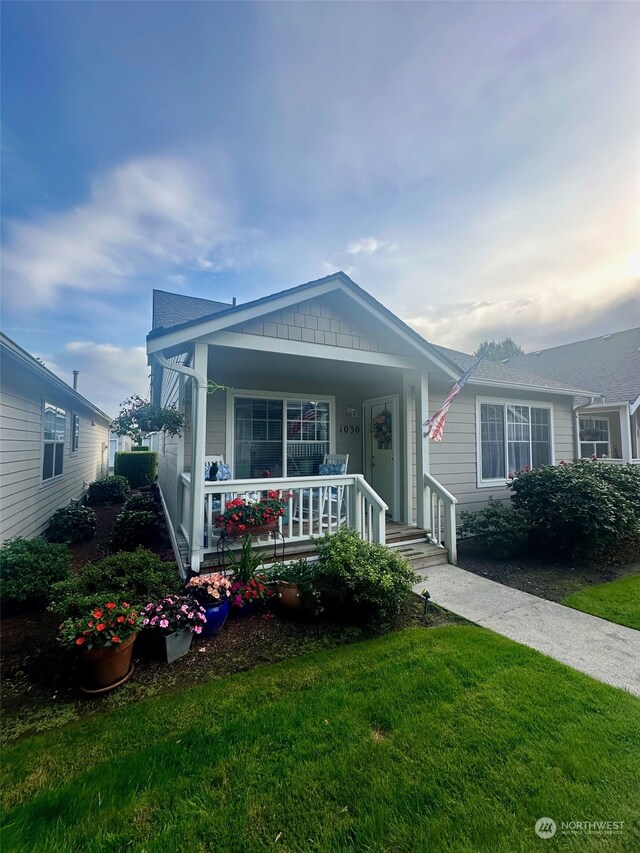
{"x": 423, "y": 554}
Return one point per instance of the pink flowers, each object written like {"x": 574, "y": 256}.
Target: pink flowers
{"x": 209, "y": 589}
{"x": 173, "y": 613}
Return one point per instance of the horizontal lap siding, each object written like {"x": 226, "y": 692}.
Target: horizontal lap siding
{"x": 27, "y": 503}
{"x": 453, "y": 460}
{"x": 168, "y": 453}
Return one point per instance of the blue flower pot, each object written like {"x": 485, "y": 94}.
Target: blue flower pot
{"x": 216, "y": 617}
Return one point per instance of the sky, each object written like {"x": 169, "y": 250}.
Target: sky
{"x": 474, "y": 166}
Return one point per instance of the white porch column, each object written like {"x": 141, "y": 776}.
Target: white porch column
{"x": 625, "y": 434}
{"x": 198, "y": 440}
{"x": 407, "y": 515}
{"x": 422, "y": 448}
{"x": 179, "y": 456}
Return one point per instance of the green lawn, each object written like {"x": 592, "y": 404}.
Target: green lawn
{"x": 449, "y": 739}
{"x": 618, "y": 601}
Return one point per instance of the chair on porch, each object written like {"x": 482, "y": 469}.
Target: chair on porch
{"x": 334, "y": 505}
{"x": 331, "y": 507}
{"x": 215, "y": 470}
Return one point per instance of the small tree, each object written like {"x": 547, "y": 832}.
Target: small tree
{"x": 138, "y": 417}
{"x": 499, "y": 350}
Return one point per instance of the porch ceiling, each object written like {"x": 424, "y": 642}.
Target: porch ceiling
{"x": 242, "y": 368}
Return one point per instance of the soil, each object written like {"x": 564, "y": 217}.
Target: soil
{"x": 551, "y": 580}
{"x": 39, "y": 684}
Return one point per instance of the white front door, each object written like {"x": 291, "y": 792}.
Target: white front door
{"x": 381, "y": 448}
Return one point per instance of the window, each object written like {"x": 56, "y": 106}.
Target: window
{"x": 53, "y": 441}
{"x": 512, "y": 436}
{"x": 75, "y": 433}
{"x": 594, "y": 437}
{"x": 279, "y": 437}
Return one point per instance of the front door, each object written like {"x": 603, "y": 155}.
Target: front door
{"x": 381, "y": 448}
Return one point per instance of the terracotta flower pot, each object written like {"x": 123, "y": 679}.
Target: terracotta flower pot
{"x": 105, "y": 669}
{"x": 289, "y": 595}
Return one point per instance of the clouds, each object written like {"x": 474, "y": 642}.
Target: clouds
{"x": 154, "y": 215}
{"x": 108, "y": 374}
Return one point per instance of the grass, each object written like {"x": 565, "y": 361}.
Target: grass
{"x": 444, "y": 739}
{"x": 618, "y": 601}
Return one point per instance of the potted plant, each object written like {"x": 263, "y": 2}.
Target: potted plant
{"x": 249, "y": 585}
{"x": 104, "y": 639}
{"x": 295, "y": 584}
{"x": 172, "y": 622}
{"x": 212, "y": 592}
{"x": 248, "y": 516}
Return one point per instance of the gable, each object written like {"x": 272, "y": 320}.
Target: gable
{"x": 331, "y": 319}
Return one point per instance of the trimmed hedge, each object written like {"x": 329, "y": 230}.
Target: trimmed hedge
{"x": 140, "y": 468}
{"x": 29, "y": 568}
{"x": 140, "y": 448}
{"x": 137, "y": 577}
{"x": 108, "y": 490}
{"x": 72, "y": 524}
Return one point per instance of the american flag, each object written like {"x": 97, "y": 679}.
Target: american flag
{"x": 434, "y": 427}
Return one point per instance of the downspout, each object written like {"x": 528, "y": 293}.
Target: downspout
{"x": 197, "y": 452}
{"x": 576, "y": 429}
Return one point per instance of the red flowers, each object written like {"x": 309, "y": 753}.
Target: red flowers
{"x": 103, "y": 627}
{"x": 120, "y": 619}
{"x": 97, "y": 614}
{"x": 115, "y": 640}
{"x": 110, "y": 605}
{"x": 80, "y": 641}
{"x": 100, "y": 626}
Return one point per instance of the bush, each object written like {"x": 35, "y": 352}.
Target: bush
{"x": 134, "y": 528}
{"x": 144, "y": 501}
{"x": 140, "y": 469}
{"x": 108, "y": 490}
{"x": 29, "y": 568}
{"x": 372, "y": 578}
{"x": 72, "y": 524}
{"x": 137, "y": 577}
{"x": 498, "y": 529}
{"x": 140, "y": 448}
{"x": 579, "y": 509}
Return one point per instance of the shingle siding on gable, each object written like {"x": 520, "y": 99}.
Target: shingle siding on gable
{"x": 321, "y": 322}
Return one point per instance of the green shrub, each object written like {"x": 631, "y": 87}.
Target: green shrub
{"x": 72, "y": 524}
{"x": 29, "y": 567}
{"x": 579, "y": 509}
{"x": 143, "y": 501}
{"x": 371, "y": 579}
{"x": 500, "y": 530}
{"x": 140, "y": 469}
{"x": 108, "y": 490}
{"x": 133, "y": 529}
{"x": 140, "y": 448}
{"x": 137, "y": 577}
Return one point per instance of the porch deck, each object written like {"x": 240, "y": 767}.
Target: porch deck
{"x": 411, "y": 541}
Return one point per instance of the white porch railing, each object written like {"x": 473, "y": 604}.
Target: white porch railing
{"x": 612, "y": 461}
{"x": 440, "y": 506}
{"x": 315, "y": 505}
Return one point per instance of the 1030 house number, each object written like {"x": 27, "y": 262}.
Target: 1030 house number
{"x": 349, "y": 428}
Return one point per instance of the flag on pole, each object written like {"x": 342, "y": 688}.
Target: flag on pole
{"x": 434, "y": 427}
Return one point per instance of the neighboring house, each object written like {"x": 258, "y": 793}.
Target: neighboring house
{"x": 53, "y": 443}
{"x": 309, "y": 371}
{"x": 117, "y": 444}
{"x": 607, "y": 426}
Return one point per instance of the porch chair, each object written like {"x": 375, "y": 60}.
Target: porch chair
{"x": 334, "y": 505}
{"x": 221, "y": 472}
{"x": 331, "y": 503}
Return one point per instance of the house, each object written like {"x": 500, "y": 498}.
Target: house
{"x": 53, "y": 443}
{"x": 608, "y": 425}
{"x": 311, "y": 371}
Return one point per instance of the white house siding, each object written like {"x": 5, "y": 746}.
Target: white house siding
{"x": 453, "y": 460}
{"x": 26, "y": 501}
{"x": 168, "y": 450}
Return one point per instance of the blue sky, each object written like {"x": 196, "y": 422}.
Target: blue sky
{"x": 474, "y": 166}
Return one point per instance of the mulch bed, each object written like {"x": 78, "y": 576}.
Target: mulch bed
{"x": 550, "y": 580}
{"x": 39, "y": 684}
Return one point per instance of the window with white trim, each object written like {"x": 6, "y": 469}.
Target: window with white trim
{"x": 512, "y": 436}
{"x": 75, "y": 433}
{"x": 595, "y": 437}
{"x": 280, "y": 437}
{"x": 53, "y": 441}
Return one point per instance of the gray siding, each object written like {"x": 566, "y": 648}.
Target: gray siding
{"x": 27, "y": 502}
{"x": 326, "y": 320}
{"x": 453, "y": 461}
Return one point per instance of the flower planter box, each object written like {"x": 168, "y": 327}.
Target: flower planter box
{"x": 251, "y": 530}
{"x": 175, "y": 646}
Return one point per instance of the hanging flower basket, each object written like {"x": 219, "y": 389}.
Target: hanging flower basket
{"x": 252, "y": 517}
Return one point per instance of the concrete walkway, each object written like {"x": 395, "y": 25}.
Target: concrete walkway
{"x": 608, "y": 652}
